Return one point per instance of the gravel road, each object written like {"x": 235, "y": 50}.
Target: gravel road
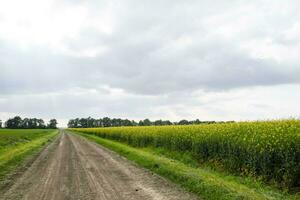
{"x": 72, "y": 167}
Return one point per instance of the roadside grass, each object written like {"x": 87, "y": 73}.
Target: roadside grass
{"x": 267, "y": 150}
{"x": 186, "y": 172}
{"x": 16, "y": 146}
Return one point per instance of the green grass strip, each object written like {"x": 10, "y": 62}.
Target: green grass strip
{"x": 207, "y": 184}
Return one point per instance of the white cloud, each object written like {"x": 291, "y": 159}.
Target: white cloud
{"x": 159, "y": 59}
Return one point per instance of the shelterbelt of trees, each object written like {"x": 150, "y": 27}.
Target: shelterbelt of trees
{"x": 28, "y": 123}
{"x": 115, "y": 122}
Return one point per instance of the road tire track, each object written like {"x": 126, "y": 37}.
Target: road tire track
{"x": 74, "y": 168}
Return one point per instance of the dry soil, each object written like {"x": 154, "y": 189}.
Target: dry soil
{"x": 72, "y": 167}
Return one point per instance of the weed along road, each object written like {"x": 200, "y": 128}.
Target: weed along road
{"x": 72, "y": 167}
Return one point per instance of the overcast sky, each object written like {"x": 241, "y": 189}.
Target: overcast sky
{"x": 159, "y": 59}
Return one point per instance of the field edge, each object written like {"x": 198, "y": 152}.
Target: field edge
{"x": 205, "y": 184}
{"x": 14, "y": 168}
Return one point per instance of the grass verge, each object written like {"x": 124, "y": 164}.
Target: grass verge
{"x": 206, "y": 183}
{"x": 15, "y": 156}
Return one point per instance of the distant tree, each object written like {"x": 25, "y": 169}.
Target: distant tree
{"x": 25, "y": 123}
{"x": 158, "y": 123}
{"x": 14, "y": 123}
{"x": 183, "y": 122}
{"x": 41, "y": 123}
{"x": 141, "y": 123}
{"x": 167, "y": 123}
{"x": 90, "y": 122}
{"x": 162, "y": 123}
{"x": 99, "y": 123}
{"x": 83, "y": 122}
{"x": 77, "y": 122}
{"x": 197, "y": 121}
{"x": 127, "y": 122}
{"x": 71, "y": 123}
{"x": 134, "y": 123}
{"x": 0, "y": 123}
{"x": 106, "y": 122}
{"x": 28, "y": 123}
{"x": 115, "y": 122}
{"x": 34, "y": 123}
{"x": 147, "y": 122}
{"x": 52, "y": 124}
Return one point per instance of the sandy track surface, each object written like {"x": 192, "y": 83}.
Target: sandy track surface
{"x": 74, "y": 168}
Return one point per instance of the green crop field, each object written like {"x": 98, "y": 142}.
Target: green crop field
{"x": 268, "y": 151}
{"x": 17, "y": 144}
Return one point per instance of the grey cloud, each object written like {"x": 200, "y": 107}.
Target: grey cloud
{"x": 158, "y": 54}
{"x": 136, "y": 70}
{"x": 143, "y": 56}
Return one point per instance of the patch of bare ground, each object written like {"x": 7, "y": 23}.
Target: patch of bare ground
{"x": 72, "y": 167}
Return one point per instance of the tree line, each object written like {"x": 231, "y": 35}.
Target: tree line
{"x": 115, "y": 122}
{"x": 28, "y": 123}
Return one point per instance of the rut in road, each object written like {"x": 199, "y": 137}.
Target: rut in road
{"x": 72, "y": 167}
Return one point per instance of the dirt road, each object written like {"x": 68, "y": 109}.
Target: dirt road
{"x": 74, "y": 168}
